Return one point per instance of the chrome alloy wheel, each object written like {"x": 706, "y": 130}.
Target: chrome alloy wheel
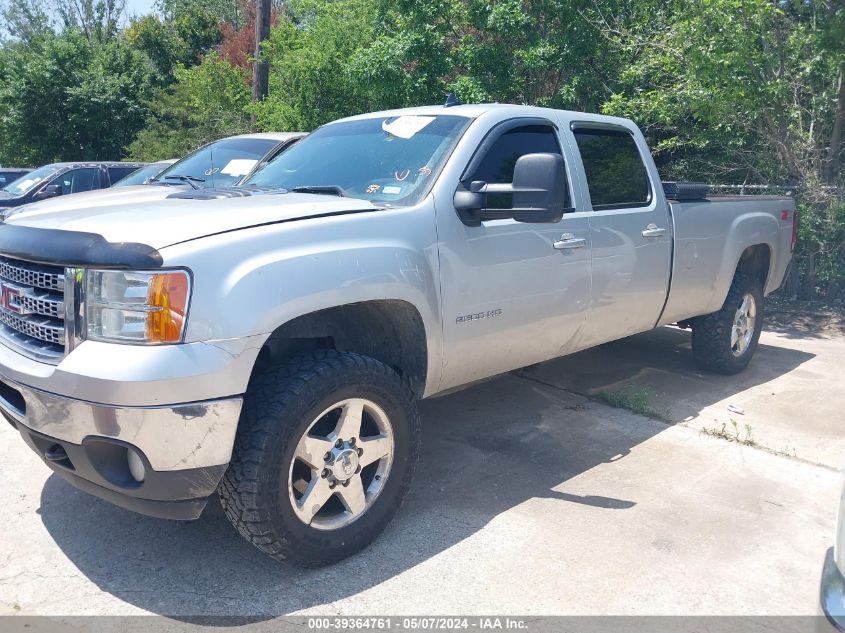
{"x": 341, "y": 464}
{"x": 742, "y": 330}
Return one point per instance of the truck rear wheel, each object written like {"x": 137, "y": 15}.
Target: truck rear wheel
{"x": 725, "y": 341}
{"x": 324, "y": 456}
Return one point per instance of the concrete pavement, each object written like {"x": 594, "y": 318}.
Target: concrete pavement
{"x": 530, "y": 499}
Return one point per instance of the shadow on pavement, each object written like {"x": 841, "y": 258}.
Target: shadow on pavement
{"x": 485, "y": 450}
{"x": 661, "y": 362}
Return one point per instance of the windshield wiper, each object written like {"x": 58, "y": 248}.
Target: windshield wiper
{"x": 191, "y": 180}
{"x": 324, "y": 190}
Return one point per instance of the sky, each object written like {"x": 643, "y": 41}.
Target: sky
{"x": 139, "y": 7}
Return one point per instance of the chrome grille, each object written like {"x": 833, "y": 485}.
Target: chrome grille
{"x": 45, "y": 304}
{"x": 42, "y": 329}
{"x": 34, "y": 275}
{"x": 32, "y": 308}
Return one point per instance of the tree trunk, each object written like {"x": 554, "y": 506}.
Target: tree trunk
{"x": 836, "y": 134}
{"x": 260, "y": 68}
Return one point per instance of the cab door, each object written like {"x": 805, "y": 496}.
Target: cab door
{"x": 513, "y": 293}
{"x": 630, "y": 233}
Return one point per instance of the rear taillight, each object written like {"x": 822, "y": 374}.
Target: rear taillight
{"x": 784, "y": 216}
{"x": 794, "y": 230}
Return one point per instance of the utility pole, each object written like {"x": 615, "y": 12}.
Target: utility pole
{"x": 260, "y": 68}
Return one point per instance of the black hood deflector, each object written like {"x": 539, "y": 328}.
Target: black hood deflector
{"x": 74, "y": 248}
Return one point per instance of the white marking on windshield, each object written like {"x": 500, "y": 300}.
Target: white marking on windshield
{"x": 406, "y": 126}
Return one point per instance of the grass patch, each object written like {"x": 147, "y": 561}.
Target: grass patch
{"x": 636, "y": 400}
{"x": 732, "y": 433}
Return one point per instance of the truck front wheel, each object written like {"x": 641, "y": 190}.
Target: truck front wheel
{"x": 325, "y": 452}
{"x": 725, "y": 341}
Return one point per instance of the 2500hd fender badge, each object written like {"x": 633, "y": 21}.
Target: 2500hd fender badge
{"x": 479, "y": 315}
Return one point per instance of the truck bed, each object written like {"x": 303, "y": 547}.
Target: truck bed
{"x": 706, "y": 252}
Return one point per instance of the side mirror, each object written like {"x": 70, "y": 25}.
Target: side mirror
{"x": 50, "y": 191}
{"x": 537, "y": 193}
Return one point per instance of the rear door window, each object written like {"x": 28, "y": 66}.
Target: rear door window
{"x": 118, "y": 173}
{"x": 78, "y": 180}
{"x": 616, "y": 175}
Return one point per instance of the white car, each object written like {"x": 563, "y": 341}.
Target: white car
{"x": 145, "y": 174}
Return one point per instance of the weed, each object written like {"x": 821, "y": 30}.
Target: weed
{"x": 635, "y": 399}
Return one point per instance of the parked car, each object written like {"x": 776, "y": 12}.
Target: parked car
{"x": 11, "y": 174}
{"x": 143, "y": 175}
{"x": 270, "y": 341}
{"x": 226, "y": 162}
{"x": 833, "y": 576}
{"x": 60, "y": 179}
{"x": 221, "y": 163}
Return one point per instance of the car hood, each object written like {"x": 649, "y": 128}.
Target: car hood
{"x": 8, "y": 200}
{"x": 160, "y": 223}
{"x": 105, "y": 197}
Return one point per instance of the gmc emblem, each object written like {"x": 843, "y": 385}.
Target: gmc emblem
{"x": 10, "y": 298}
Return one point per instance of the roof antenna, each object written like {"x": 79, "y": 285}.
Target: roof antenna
{"x": 452, "y": 100}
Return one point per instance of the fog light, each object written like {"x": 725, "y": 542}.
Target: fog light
{"x": 136, "y": 466}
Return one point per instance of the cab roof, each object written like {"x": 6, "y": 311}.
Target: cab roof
{"x": 476, "y": 110}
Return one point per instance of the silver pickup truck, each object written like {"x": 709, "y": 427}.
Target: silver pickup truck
{"x": 268, "y": 342}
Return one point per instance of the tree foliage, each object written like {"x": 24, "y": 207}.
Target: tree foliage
{"x": 733, "y": 89}
{"x": 179, "y": 42}
{"x": 205, "y": 102}
{"x": 67, "y": 99}
{"x": 743, "y": 91}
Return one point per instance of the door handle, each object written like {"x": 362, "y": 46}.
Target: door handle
{"x": 652, "y": 230}
{"x": 568, "y": 241}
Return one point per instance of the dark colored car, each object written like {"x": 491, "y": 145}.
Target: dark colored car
{"x": 60, "y": 179}
{"x": 11, "y": 174}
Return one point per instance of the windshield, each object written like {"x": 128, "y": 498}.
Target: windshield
{"x": 220, "y": 164}
{"x": 140, "y": 176}
{"x": 390, "y": 161}
{"x": 30, "y": 180}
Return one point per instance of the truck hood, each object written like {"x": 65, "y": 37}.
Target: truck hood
{"x": 159, "y": 223}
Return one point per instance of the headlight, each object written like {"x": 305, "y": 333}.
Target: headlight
{"x": 136, "y": 307}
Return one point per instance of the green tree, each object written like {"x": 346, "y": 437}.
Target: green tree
{"x": 309, "y": 52}
{"x": 205, "y": 102}
{"x": 25, "y": 20}
{"x": 731, "y": 89}
{"x": 97, "y": 19}
{"x": 182, "y": 40}
{"x": 67, "y": 99}
{"x": 230, "y": 11}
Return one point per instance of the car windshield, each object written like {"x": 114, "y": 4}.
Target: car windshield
{"x": 221, "y": 164}
{"x": 140, "y": 176}
{"x": 390, "y": 161}
{"x": 30, "y": 180}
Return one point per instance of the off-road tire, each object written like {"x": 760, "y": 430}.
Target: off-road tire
{"x": 711, "y": 333}
{"x": 279, "y": 405}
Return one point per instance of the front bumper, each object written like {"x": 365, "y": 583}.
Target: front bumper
{"x": 184, "y": 449}
{"x": 86, "y": 419}
{"x": 100, "y": 468}
{"x": 833, "y": 592}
